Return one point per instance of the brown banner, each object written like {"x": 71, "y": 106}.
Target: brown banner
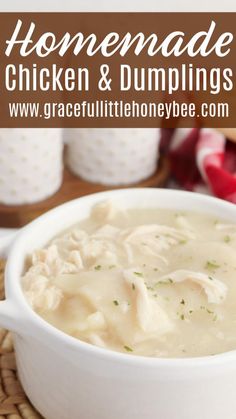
{"x": 117, "y": 69}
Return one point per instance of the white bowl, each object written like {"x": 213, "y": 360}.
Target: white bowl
{"x": 66, "y": 378}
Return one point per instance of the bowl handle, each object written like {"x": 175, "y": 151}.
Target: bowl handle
{"x": 8, "y": 313}
{"x": 9, "y": 318}
{"x": 6, "y": 241}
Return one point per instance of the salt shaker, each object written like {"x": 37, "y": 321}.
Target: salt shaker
{"x": 30, "y": 164}
{"x": 118, "y": 156}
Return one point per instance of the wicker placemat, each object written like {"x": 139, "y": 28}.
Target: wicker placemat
{"x": 13, "y": 401}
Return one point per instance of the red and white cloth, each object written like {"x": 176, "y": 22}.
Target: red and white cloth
{"x": 202, "y": 156}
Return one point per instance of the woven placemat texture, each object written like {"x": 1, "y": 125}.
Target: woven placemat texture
{"x": 13, "y": 401}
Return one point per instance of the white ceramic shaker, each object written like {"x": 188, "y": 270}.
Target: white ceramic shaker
{"x": 118, "y": 156}
{"x": 30, "y": 164}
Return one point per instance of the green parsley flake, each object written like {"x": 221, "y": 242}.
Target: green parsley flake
{"x": 165, "y": 282}
{"x": 182, "y": 317}
{"x": 212, "y": 265}
{"x": 133, "y": 286}
{"x": 128, "y": 349}
{"x": 138, "y": 274}
{"x": 97, "y": 268}
{"x": 115, "y": 302}
{"x": 182, "y": 301}
{"x": 227, "y": 239}
{"x": 209, "y": 311}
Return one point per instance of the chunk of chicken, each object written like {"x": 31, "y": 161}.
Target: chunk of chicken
{"x": 215, "y": 290}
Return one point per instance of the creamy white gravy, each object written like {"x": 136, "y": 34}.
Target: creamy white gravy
{"x": 149, "y": 282}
